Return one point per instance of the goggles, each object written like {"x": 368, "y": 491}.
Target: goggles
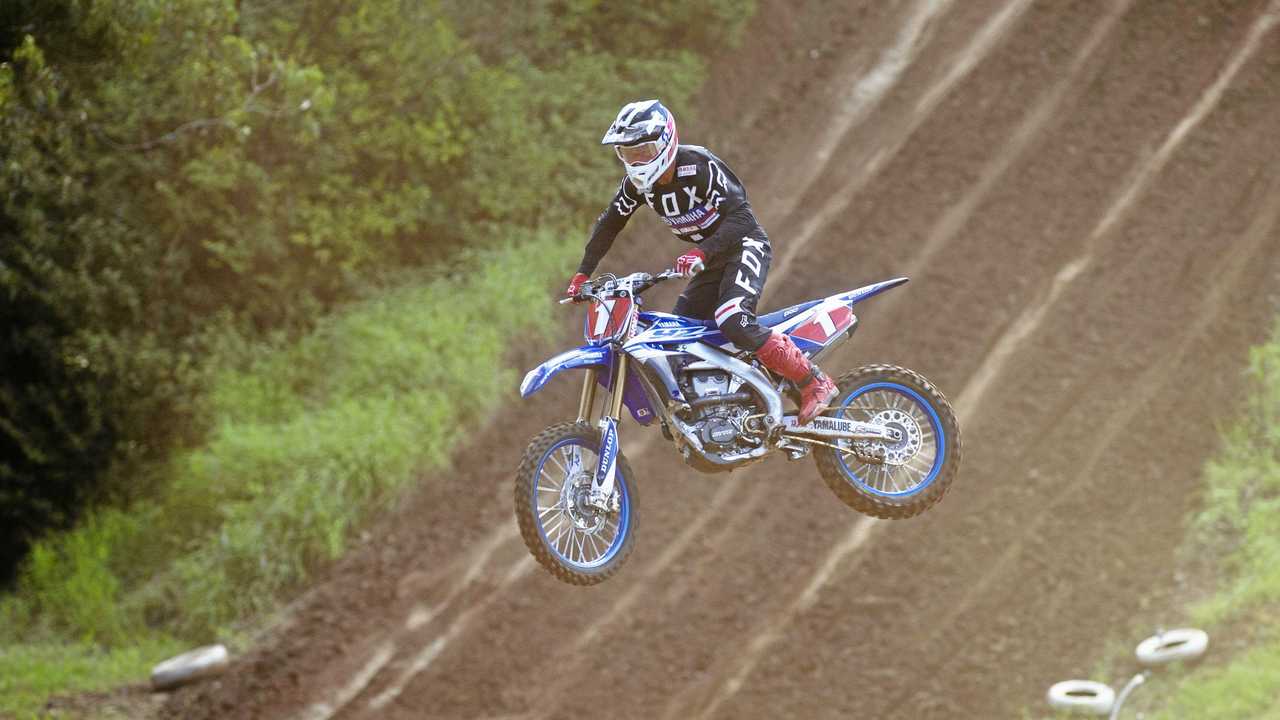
{"x": 637, "y": 154}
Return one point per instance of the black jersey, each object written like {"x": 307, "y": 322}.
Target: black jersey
{"x": 704, "y": 204}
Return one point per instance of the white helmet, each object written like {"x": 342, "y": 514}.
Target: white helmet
{"x": 644, "y": 137}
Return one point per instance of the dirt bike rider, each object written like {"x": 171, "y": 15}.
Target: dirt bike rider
{"x": 702, "y": 202}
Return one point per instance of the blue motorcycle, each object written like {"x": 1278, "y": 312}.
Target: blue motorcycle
{"x": 888, "y": 446}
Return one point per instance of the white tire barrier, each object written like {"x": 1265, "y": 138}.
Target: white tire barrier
{"x": 1172, "y": 645}
{"x": 188, "y": 667}
{"x": 1084, "y": 696}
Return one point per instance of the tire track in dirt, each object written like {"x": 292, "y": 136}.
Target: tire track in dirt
{"x": 426, "y": 655}
{"x": 982, "y": 43}
{"x": 1158, "y": 379}
{"x": 1020, "y": 329}
{"x": 1143, "y": 177}
{"x": 970, "y": 397}
{"x": 1130, "y": 194}
{"x": 765, "y": 638}
{"x": 1049, "y": 105}
{"x": 865, "y": 95}
{"x": 420, "y": 659}
{"x": 1151, "y": 383}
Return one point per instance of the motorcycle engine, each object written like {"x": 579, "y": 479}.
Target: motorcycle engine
{"x": 723, "y": 427}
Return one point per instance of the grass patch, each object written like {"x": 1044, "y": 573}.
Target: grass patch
{"x": 1247, "y": 688}
{"x": 1240, "y": 524}
{"x": 30, "y": 673}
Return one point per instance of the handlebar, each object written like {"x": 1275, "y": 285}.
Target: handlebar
{"x": 635, "y": 283}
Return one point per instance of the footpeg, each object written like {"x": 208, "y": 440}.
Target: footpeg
{"x": 869, "y": 453}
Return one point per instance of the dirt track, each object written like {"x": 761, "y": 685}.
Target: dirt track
{"x": 1085, "y": 195}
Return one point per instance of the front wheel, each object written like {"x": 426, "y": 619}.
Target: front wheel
{"x": 892, "y": 480}
{"x": 576, "y": 542}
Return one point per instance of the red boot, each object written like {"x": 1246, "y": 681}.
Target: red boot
{"x": 781, "y": 355}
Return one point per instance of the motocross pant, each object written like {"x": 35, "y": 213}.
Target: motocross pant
{"x": 729, "y": 288}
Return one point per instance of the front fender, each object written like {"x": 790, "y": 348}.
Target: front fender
{"x": 585, "y": 356}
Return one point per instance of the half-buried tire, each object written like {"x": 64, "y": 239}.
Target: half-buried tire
{"x": 198, "y": 664}
{"x": 1082, "y": 696}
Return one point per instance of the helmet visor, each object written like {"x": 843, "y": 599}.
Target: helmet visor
{"x": 637, "y": 154}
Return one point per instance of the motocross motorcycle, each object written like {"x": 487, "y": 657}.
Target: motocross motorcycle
{"x": 888, "y": 445}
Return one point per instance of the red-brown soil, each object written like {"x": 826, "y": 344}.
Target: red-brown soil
{"x": 1085, "y": 195}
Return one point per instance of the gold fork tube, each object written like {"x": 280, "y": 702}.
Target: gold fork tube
{"x": 588, "y": 395}
{"x": 619, "y": 384}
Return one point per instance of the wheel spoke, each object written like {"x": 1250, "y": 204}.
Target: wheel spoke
{"x": 552, "y": 457}
{"x": 923, "y": 467}
{"x": 562, "y": 479}
{"x": 564, "y": 532}
{"x": 595, "y": 548}
{"x": 549, "y": 528}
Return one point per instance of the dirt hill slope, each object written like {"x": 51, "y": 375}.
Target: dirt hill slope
{"x": 1086, "y": 198}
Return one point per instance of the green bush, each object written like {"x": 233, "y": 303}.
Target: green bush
{"x": 175, "y": 168}
{"x": 309, "y": 437}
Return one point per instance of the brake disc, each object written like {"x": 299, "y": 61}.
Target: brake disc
{"x": 575, "y": 496}
{"x": 901, "y": 452}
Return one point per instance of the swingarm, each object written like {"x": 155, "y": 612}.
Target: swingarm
{"x": 840, "y": 429}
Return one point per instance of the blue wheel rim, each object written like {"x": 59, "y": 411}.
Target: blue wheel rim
{"x": 940, "y": 442}
{"x": 623, "y": 519}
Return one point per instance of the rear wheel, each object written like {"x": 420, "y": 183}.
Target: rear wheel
{"x": 578, "y": 543}
{"x": 892, "y": 480}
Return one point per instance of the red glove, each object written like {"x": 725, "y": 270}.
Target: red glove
{"x": 576, "y": 284}
{"x": 691, "y": 263}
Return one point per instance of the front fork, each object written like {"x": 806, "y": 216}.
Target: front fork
{"x": 602, "y": 496}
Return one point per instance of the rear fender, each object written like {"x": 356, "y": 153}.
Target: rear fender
{"x": 826, "y": 323}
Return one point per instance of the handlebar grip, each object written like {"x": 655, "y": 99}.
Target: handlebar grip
{"x": 568, "y": 300}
